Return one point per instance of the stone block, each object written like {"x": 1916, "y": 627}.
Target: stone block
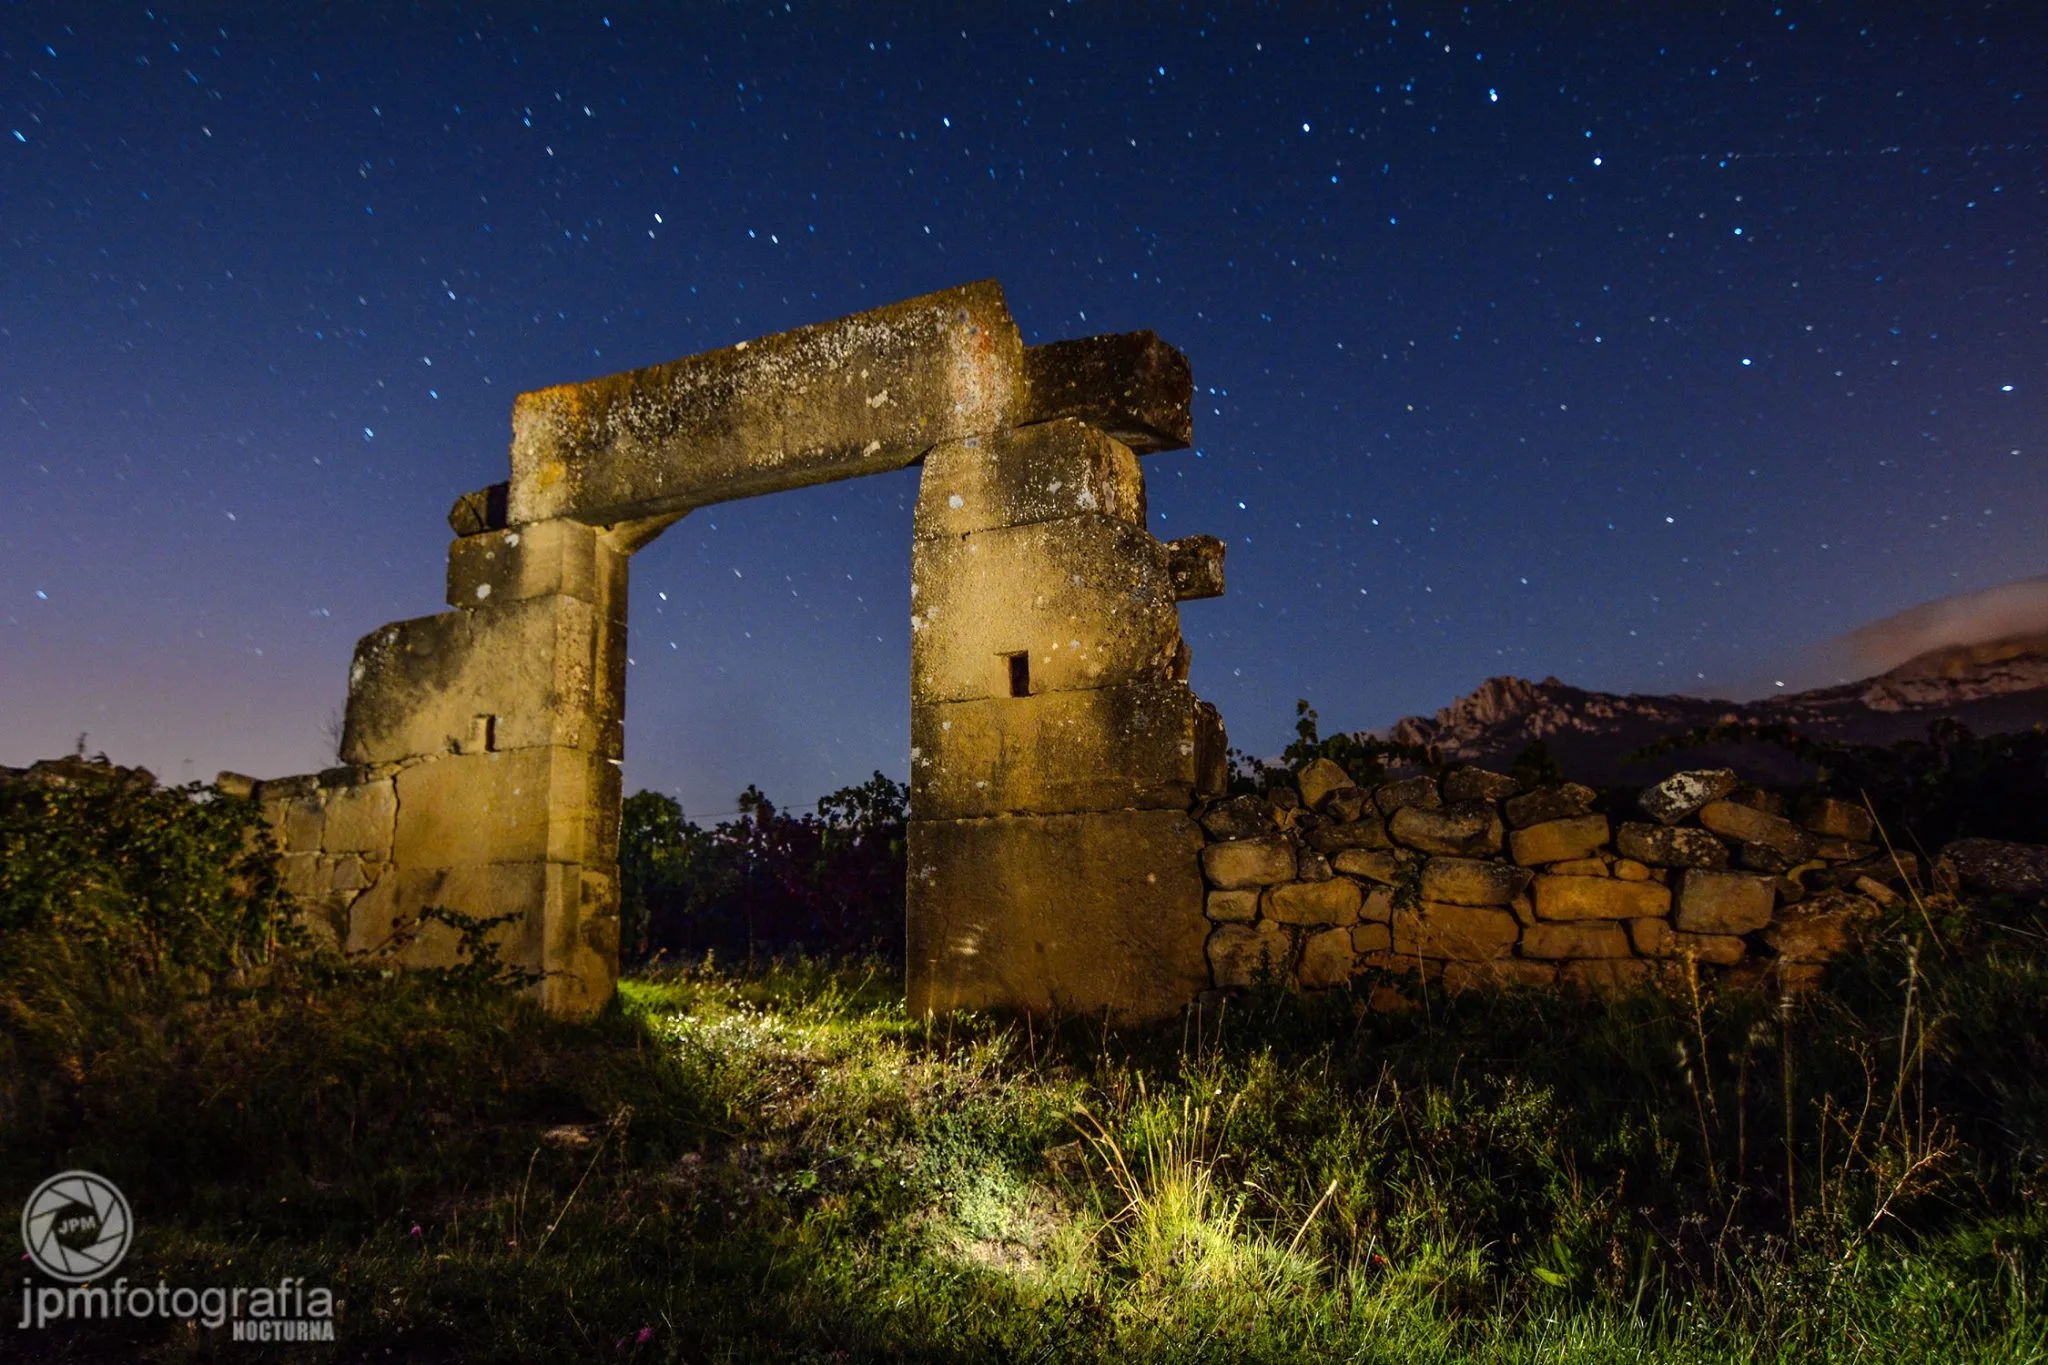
{"x": 487, "y": 509}
{"x": 1505, "y": 973}
{"x": 521, "y": 675}
{"x": 1232, "y": 907}
{"x": 1330, "y": 902}
{"x": 1606, "y": 977}
{"x": 361, "y": 819}
{"x": 1420, "y": 790}
{"x": 1019, "y": 478}
{"x": 1822, "y": 927}
{"x": 1478, "y": 784}
{"x": 1554, "y": 841}
{"x": 1241, "y": 955}
{"x": 1240, "y": 817}
{"x": 1587, "y": 938}
{"x": 1472, "y": 881}
{"x": 1468, "y": 933}
{"x": 1747, "y": 824}
{"x": 1461, "y": 829}
{"x": 528, "y": 805}
{"x": 1372, "y": 936}
{"x": 1549, "y": 803}
{"x": 1995, "y": 866}
{"x": 1335, "y": 837}
{"x": 1131, "y": 384}
{"x": 1085, "y": 602}
{"x": 1576, "y": 898}
{"x": 1661, "y": 846}
{"x": 299, "y": 875}
{"x": 1326, "y": 960}
{"x": 1378, "y": 905}
{"x": 1379, "y": 865}
{"x": 1347, "y": 805}
{"x": 303, "y": 826}
{"x": 859, "y": 395}
{"x": 1311, "y": 866}
{"x": 544, "y": 559}
{"x": 1833, "y": 850}
{"x": 1629, "y": 870}
{"x": 1149, "y": 745}
{"x": 1578, "y": 867}
{"x": 1318, "y": 780}
{"x": 1835, "y": 819}
{"x": 1248, "y": 862}
{"x": 1680, "y": 794}
{"x": 1722, "y": 902}
{"x": 1084, "y": 914}
{"x": 1195, "y": 564}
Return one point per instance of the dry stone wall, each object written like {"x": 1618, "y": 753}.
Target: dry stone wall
{"x": 1474, "y": 881}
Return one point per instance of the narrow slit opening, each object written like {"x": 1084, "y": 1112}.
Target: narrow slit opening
{"x": 1020, "y": 675}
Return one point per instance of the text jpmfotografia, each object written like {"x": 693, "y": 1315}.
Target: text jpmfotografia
{"x": 288, "y": 1312}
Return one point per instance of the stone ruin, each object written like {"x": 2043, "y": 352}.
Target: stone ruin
{"x": 1058, "y": 756}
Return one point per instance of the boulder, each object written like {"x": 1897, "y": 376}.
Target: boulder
{"x": 1409, "y": 791}
{"x": 1996, "y": 867}
{"x": 1468, "y": 933}
{"x": 1332, "y": 836}
{"x": 1331, "y": 902}
{"x": 1368, "y": 936}
{"x": 1821, "y": 927}
{"x": 1244, "y": 954}
{"x": 1577, "y": 898}
{"x": 1555, "y": 841}
{"x": 1318, "y": 780}
{"x": 1347, "y": 804}
{"x": 1680, "y": 794}
{"x": 1670, "y": 846}
{"x": 1379, "y": 865}
{"x": 1590, "y": 938}
{"x": 1629, "y": 870}
{"x": 1232, "y": 907}
{"x": 1472, "y": 881}
{"x": 1722, "y": 902}
{"x": 1241, "y": 817}
{"x": 1326, "y": 959}
{"x": 1463, "y": 829}
{"x": 1248, "y": 862}
{"x": 1747, "y": 824}
{"x": 1477, "y": 784}
{"x": 1656, "y": 938}
{"x": 1550, "y": 803}
{"x": 1834, "y": 819}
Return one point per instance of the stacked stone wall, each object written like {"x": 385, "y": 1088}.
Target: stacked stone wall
{"x": 1472, "y": 880}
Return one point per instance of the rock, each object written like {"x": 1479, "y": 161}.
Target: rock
{"x": 1469, "y": 827}
{"x": 1842, "y": 876}
{"x": 1579, "y": 867}
{"x": 1405, "y": 964}
{"x": 1606, "y": 977}
{"x": 1378, "y": 905}
{"x": 1332, "y": 902}
{"x": 1879, "y": 892}
{"x": 239, "y": 786}
{"x": 1758, "y": 798}
{"x": 1368, "y": 831}
{"x": 1843, "y": 850}
{"x": 1312, "y": 866}
{"x": 1550, "y": 803}
{"x": 1554, "y": 841}
{"x": 1347, "y": 804}
{"x": 1371, "y": 937}
{"x": 1505, "y": 973}
{"x": 1467, "y": 933}
{"x": 1318, "y": 780}
{"x": 1656, "y": 938}
{"x": 1195, "y": 564}
{"x": 1409, "y": 791}
{"x": 1325, "y": 960}
{"x": 1478, "y": 784}
{"x": 1821, "y": 927}
{"x": 1283, "y": 798}
{"x": 1763, "y": 858}
{"x": 1591, "y": 938}
{"x": 1733, "y": 820}
{"x": 1722, "y": 902}
{"x": 1576, "y": 898}
{"x": 1248, "y": 862}
{"x": 1524, "y": 907}
{"x": 1374, "y": 864}
{"x": 1661, "y": 846}
{"x": 1629, "y": 870}
{"x": 1680, "y": 794}
{"x": 1232, "y": 907}
{"x": 1241, "y": 817}
{"x": 1833, "y": 819}
{"x": 1244, "y": 955}
{"x": 1472, "y": 881}
{"x": 1995, "y": 867}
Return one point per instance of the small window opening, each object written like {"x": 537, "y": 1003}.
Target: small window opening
{"x": 1020, "y": 675}
{"x": 483, "y": 735}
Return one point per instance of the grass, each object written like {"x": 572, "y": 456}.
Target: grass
{"x": 783, "y": 1166}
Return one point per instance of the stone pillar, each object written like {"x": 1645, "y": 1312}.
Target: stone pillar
{"x": 1056, "y": 749}
{"x": 504, "y": 719}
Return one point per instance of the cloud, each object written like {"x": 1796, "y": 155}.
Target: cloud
{"x": 2000, "y": 613}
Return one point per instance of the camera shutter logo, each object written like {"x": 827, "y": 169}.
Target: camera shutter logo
{"x": 76, "y": 1226}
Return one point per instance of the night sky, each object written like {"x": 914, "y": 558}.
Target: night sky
{"x": 1650, "y": 350}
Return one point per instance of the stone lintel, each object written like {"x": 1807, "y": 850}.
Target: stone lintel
{"x": 862, "y": 395}
{"x": 1148, "y": 745}
{"x": 1077, "y": 914}
{"x": 1132, "y": 385}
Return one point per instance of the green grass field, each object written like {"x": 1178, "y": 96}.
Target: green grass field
{"x": 779, "y": 1165}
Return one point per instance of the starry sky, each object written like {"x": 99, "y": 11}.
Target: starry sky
{"x": 1648, "y": 346}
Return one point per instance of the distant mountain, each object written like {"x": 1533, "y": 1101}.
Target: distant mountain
{"x": 1992, "y": 688}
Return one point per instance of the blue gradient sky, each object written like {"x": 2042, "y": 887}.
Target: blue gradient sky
{"x": 1644, "y": 349}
